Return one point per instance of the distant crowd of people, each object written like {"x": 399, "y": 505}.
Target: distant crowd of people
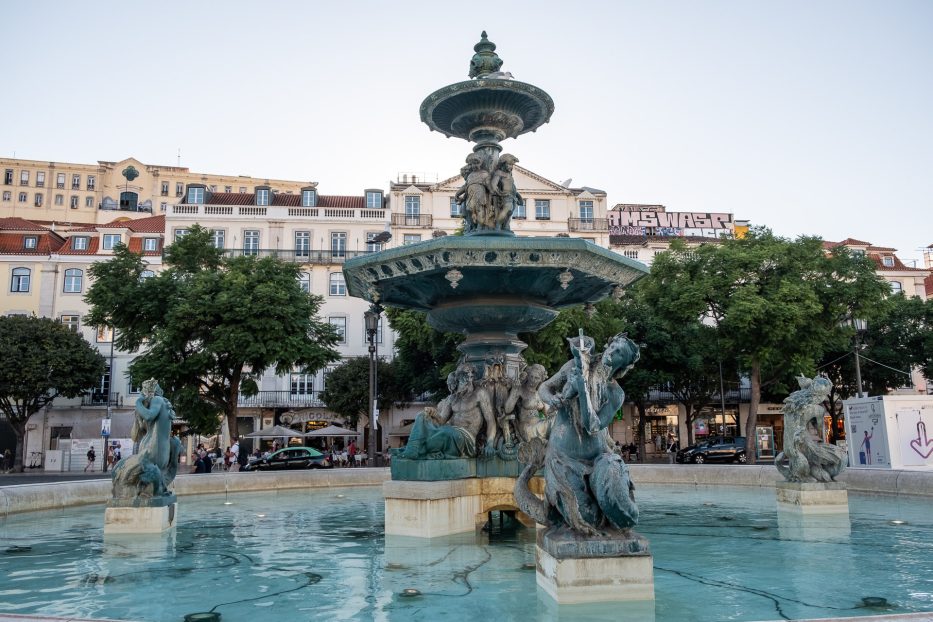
{"x": 231, "y": 459}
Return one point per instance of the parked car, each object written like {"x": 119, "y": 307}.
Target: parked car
{"x": 717, "y": 449}
{"x": 289, "y": 458}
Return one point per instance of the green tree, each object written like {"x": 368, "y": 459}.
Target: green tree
{"x": 778, "y": 304}
{"x": 41, "y": 360}
{"x": 423, "y": 356}
{"x": 347, "y": 389}
{"x": 209, "y": 324}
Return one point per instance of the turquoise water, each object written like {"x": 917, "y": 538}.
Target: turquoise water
{"x": 719, "y": 553}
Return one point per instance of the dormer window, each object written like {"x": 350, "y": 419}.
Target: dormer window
{"x": 374, "y": 199}
{"x": 308, "y": 197}
{"x": 111, "y": 240}
{"x": 262, "y": 196}
{"x": 79, "y": 243}
{"x": 30, "y": 242}
{"x": 195, "y": 195}
{"x": 887, "y": 261}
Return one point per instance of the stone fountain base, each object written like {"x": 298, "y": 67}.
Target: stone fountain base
{"x": 430, "y": 509}
{"x": 130, "y": 519}
{"x": 574, "y": 570}
{"x": 812, "y": 497}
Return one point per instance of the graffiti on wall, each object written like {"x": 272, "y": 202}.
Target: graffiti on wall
{"x": 670, "y": 220}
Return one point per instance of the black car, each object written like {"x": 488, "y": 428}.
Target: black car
{"x": 715, "y": 450}
{"x": 289, "y": 458}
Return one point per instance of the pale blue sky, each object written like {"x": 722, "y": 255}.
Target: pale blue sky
{"x": 807, "y": 116}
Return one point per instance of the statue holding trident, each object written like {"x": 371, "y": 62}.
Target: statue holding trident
{"x": 143, "y": 479}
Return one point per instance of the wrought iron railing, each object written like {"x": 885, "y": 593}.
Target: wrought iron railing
{"x": 299, "y": 255}
{"x": 588, "y": 224}
{"x": 733, "y": 395}
{"x": 424, "y": 221}
{"x": 284, "y": 399}
{"x": 99, "y": 398}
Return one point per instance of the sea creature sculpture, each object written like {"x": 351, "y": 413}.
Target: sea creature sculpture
{"x": 808, "y": 458}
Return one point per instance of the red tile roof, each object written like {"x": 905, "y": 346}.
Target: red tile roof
{"x": 898, "y": 266}
{"x": 92, "y": 246}
{"x": 19, "y": 224}
{"x": 151, "y": 224}
{"x": 46, "y": 244}
{"x": 287, "y": 200}
{"x": 136, "y": 246}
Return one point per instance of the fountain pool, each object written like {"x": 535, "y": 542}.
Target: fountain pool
{"x": 719, "y": 553}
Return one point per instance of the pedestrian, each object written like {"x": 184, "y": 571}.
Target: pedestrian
{"x": 235, "y": 449}
{"x": 351, "y": 452}
{"x": 228, "y": 459}
{"x": 7, "y": 459}
{"x": 117, "y": 456}
{"x": 91, "y": 457}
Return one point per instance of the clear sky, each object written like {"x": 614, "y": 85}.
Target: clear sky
{"x": 808, "y": 116}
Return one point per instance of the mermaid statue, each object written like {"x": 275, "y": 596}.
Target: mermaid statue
{"x": 588, "y": 491}
{"x": 143, "y": 478}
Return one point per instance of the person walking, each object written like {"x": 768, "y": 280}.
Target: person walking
{"x": 91, "y": 457}
{"x": 235, "y": 450}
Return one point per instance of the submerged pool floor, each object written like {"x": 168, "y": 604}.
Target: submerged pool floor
{"x": 719, "y": 554}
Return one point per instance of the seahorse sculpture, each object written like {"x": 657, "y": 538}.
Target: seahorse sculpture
{"x": 808, "y": 458}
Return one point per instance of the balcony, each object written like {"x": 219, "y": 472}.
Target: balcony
{"x": 423, "y": 221}
{"x": 99, "y": 398}
{"x": 302, "y": 256}
{"x": 588, "y": 224}
{"x": 281, "y": 211}
{"x": 734, "y": 395}
{"x": 281, "y": 399}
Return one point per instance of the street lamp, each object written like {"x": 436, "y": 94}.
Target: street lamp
{"x": 860, "y": 327}
{"x": 371, "y": 319}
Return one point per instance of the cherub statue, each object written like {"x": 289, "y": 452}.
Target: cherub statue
{"x": 504, "y": 194}
{"x": 474, "y": 195}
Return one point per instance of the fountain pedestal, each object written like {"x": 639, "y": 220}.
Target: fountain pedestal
{"x": 598, "y": 569}
{"x": 812, "y": 497}
{"x": 129, "y": 519}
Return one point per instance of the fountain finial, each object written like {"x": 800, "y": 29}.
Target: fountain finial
{"x": 485, "y": 61}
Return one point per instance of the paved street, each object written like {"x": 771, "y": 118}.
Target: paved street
{"x": 41, "y": 477}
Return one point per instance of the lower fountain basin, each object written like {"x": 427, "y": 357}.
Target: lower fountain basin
{"x": 321, "y": 554}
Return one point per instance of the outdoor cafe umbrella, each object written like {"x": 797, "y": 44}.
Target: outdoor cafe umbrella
{"x": 332, "y": 430}
{"x": 277, "y": 431}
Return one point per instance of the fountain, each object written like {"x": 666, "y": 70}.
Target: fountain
{"x": 462, "y": 459}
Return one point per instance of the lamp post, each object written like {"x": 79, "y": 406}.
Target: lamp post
{"x": 860, "y": 327}
{"x": 372, "y": 318}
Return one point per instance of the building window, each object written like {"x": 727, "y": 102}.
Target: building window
{"x": 195, "y": 195}
{"x": 519, "y": 211}
{"x": 218, "y": 238}
{"x": 111, "y": 240}
{"x": 75, "y": 182}
{"x": 59, "y": 199}
{"x": 104, "y": 334}
{"x": 411, "y": 238}
{"x": 89, "y": 202}
{"x": 262, "y": 196}
{"x": 302, "y": 384}
{"x": 38, "y": 199}
{"x": 20, "y": 281}
{"x": 378, "y": 332}
{"x": 7, "y": 195}
{"x": 163, "y": 206}
{"x": 373, "y": 200}
{"x": 60, "y": 181}
{"x": 251, "y": 242}
{"x": 242, "y": 189}
{"x": 164, "y": 188}
{"x": 542, "y": 209}
{"x": 24, "y": 178}
{"x": 179, "y": 189}
{"x": 71, "y": 322}
{"x": 8, "y": 177}
{"x": 91, "y": 183}
{"x": 302, "y": 243}
{"x": 30, "y": 242}
{"x": 212, "y": 187}
{"x": 308, "y": 198}
{"x": 73, "y": 281}
{"x": 373, "y": 247}
{"x": 338, "y": 287}
{"x": 304, "y": 281}
{"x": 338, "y": 244}
{"x": 340, "y": 324}
{"x": 40, "y": 179}
{"x": 23, "y": 197}
{"x": 896, "y": 287}
{"x": 133, "y": 389}
{"x": 180, "y": 233}
{"x": 412, "y": 205}
{"x": 887, "y": 261}
{"x": 74, "y": 202}
{"x": 586, "y": 210}
{"x": 150, "y": 244}
{"x": 80, "y": 243}
{"x": 456, "y": 209}
{"x": 228, "y": 189}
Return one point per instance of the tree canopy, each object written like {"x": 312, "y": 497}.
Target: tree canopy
{"x": 209, "y": 324}
{"x": 40, "y": 360}
{"x": 347, "y": 389}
